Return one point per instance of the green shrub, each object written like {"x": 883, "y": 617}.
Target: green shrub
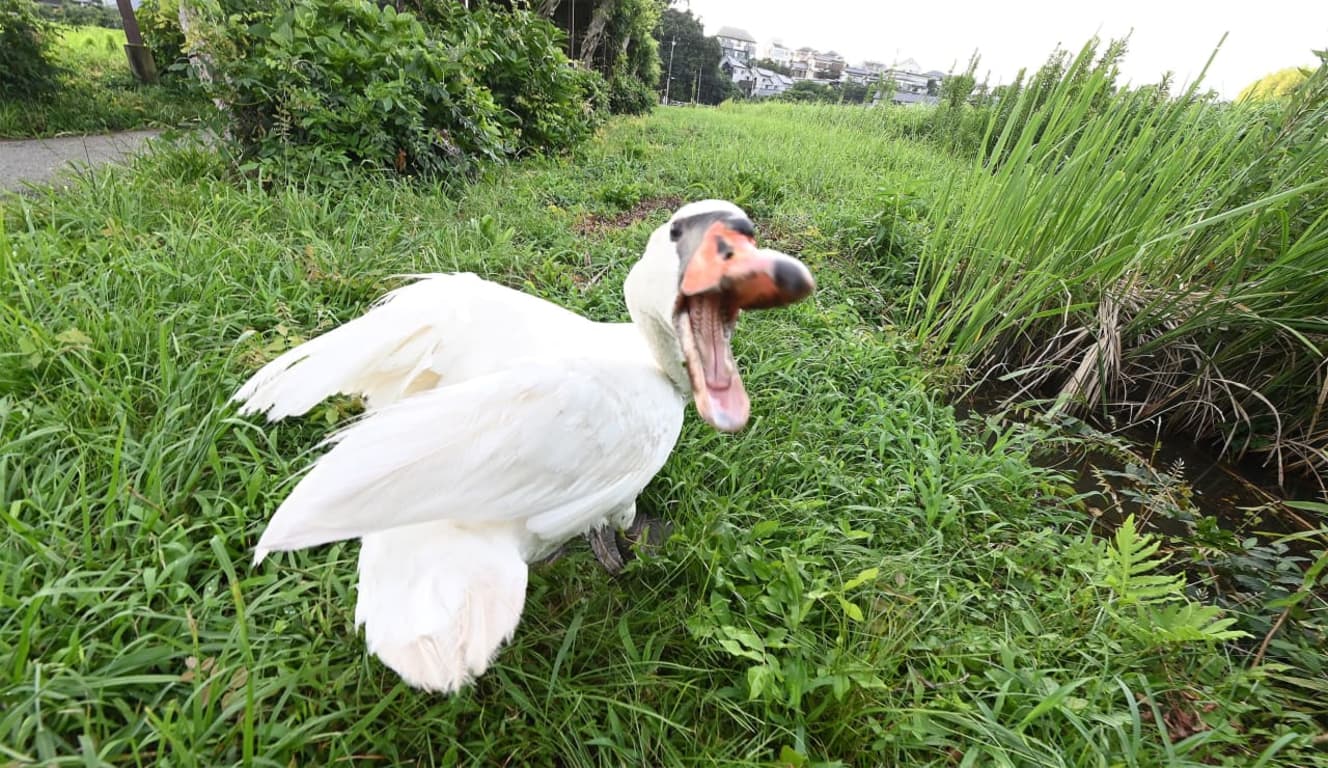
{"x": 26, "y": 65}
{"x": 594, "y": 90}
{"x": 159, "y": 21}
{"x": 542, "y": 98}
{"x": 628, "y": 95}
{"x": 347, "y": 83}
{"x": 808, "y": 91}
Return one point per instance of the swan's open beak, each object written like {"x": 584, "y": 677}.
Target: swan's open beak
{"x": 725, "y": 275}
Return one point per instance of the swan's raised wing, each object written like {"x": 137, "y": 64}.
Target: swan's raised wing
{"x": 555, "y": 447}
{"x": 437, "y": 331}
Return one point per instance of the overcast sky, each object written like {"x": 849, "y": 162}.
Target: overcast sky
{"x": 1175, "y": 35}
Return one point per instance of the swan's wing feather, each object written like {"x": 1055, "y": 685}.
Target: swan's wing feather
{"x": 556, "y": 446}
{"x": 439, "y": 330}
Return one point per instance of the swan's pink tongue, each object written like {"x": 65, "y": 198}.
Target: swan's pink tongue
{"x": 728, "y": 407}
{"x": 718, "y": 357}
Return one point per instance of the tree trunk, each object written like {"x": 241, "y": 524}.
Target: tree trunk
{"x": 598, "y": 23}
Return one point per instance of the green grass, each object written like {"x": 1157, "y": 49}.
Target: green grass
{"x": 1144, "y": 259}
{"x": 860, "y": 578}
{"x": 98, "y": 93}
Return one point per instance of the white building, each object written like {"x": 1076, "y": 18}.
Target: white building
{"x": 740, "y": 72}
{"x": 859, "y": 75}
{"x": 738, "y": 44}
{"x": 770, "y": 83}
{"x": 913, "y": 86}
{"x": 779, "y": 53}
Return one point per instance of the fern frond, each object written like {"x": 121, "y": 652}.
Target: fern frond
{"x": 1186, "y": 623}
{"x": 1130, "y": 562}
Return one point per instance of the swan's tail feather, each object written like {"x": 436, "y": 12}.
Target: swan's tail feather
{"x": 438, "y": 600}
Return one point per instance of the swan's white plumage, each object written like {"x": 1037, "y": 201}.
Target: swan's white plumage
{"x": 439, "y": 330}
{"x": 437, "y": 600}
{"x": 553, "y": 446}
{"x": 499, "y": 425}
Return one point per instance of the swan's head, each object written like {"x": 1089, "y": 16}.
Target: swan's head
{"x": 699, "y": 271}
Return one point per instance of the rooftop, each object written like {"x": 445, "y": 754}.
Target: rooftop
{"x": 733, "y": 33}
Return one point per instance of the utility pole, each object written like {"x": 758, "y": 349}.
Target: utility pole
{"x": 669, "y": 79}
{"x": 140, "y": 56}
{"x": 696, "y": 86}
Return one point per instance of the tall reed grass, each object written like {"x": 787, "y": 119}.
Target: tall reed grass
{"x": 1145, "y": 257}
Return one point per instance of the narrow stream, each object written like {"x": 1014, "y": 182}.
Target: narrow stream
{"x": 1154, "y": 475}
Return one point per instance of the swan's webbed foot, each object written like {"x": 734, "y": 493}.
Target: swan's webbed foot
{"x": 613, "y": 548}
{"x": 646, "y": 533}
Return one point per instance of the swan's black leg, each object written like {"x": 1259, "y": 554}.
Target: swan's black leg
{"x": 604, "y": 543}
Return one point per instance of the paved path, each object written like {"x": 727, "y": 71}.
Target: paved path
{"x": 39, "y": 160}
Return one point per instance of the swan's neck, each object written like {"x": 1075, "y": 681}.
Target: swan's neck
{"x": 663, "y": 343}
{"x": 651, "y": 292}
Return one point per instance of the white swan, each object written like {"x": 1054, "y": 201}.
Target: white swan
{"x": 500, "y": 425}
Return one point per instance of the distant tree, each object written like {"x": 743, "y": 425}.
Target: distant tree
{"x": 853, "y": 93}
{"x": 1274, "y": 86}
{"x": 885, "y": 89}
{"x": 808, "y": 91}
{"x": 773, "y": 66}
{"x": 696, "y": 60}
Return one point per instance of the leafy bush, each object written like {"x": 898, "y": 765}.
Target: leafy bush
{"x": 809, "y": 91}
{"x": 345, "y": 82}
{"x": 159, "y": 21}
{"x": 26, "y": 66}
{"x": 352, "y": 84}
{"x": 628, "y": 95}
{"x": 1275, "y": 86}
{"x": 594, "y": 91}
{"x": 544, "y": 101}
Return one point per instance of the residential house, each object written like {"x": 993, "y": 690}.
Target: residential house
{"x": 859, "y": 75}
{"x": 770, "y": 83}
{"x": 908, "y": 77}
{"x": 737, "y": 44}
{"x": 913, "y": 86}
{"x": 804, "y": 63}
{"x": 779, "y": 53}
{"x": 904, "y": 97}
{"x": 740, "y": 72}
{"x": 829, "y": 65}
